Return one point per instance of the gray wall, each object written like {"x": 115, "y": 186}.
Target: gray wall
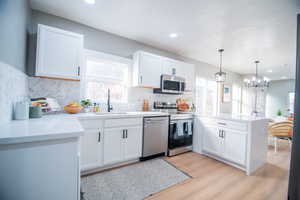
{"x": 14, "y": 20}
{"x": 277, "y": 96}
{"x": 95, "y": 39}
{"x": 102, "y": 41}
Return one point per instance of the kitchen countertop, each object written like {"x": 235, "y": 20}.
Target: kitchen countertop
{"x": 42, "y": 129}
{"x": 56, "y": 126}
{"x": 239, "y": 118}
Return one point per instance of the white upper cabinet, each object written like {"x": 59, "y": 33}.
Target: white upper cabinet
{"x": 147, "y": 70}
{"x": 59, "y": 53}
{"x": 172, "y": 66}
{"x": 188, "y": 72}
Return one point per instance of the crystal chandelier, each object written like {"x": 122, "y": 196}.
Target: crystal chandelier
{"x": 257, "y": 82}
{"x": 220, "y": 76}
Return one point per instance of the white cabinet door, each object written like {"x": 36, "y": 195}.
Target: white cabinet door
{"x": 235, "y": 146}
{"x": 91, "y": 148}
{"x": 211, "y": 140}
{"x": 133, "y": 143}
{"x": 189, "y": 75}
{"x": 58, "y": 53}
{"x": 113, "y": 145}
{"x": 150, "y": 69}
{"x": 197, "y": 135}
{"x": 170, "y": 66}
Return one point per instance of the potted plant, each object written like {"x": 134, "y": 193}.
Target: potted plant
{"x": 279, "y": 113}
{"x": 86, "y": 104}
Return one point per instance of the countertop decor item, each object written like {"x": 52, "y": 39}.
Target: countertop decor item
{"x": 35, "y": 112}
{"x": 47, "y": 104}
{"x": 86, "y": 104}
{"x": 182, "y": 105}
{"x": 146, "y": 105}
{"x": 21, "y": 111}
{"x": 73, "y": 108}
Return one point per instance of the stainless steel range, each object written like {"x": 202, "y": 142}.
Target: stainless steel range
{"x": 180, "y": 138}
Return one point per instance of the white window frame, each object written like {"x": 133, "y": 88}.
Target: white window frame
{"x": 100, "y": 55}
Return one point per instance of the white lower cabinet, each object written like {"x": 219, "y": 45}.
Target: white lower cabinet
{"x": 91, "y": 149}
{"x": 133, "y": 143}
{"x": 240, "y": 143}
{"x": 110, "y": 141}
{"x": 122, "y": 144}
{"x": 235, "y": 144}
{"x": 225, "y": 143}
{"x": 113, "y": 145}
{"x": 211, "y": 140}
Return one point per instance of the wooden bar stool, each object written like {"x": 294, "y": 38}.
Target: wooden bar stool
{"x": 281, "y": 130}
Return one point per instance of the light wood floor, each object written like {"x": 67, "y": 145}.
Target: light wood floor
{"x": 213, "y": 180}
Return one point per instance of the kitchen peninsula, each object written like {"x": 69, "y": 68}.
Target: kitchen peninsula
{"x": 241, "y": 141}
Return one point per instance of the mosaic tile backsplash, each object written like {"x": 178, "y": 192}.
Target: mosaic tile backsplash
{"x": 68, "y": 91}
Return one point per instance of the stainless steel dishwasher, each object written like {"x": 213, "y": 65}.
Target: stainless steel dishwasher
{"x": 155, "y": 140}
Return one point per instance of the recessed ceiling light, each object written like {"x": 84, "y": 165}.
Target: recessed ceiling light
{"x": 173, "y": 35}
{"x": 90, "y": 1}
{"x": 270, "y": 71}
{"x": 283, "y": 77}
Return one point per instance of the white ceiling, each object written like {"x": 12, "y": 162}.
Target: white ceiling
{"x": 246, "y": 29}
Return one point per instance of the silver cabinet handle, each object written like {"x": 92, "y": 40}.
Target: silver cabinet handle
{"x": 78, "y": 71}
{"x": 126, "y": 132}
{"x": 141, "y": 79}
{"x": 221, "y": 123}
{"x": 99, "y": 136}
{"x": 123, "y": 136}
{"x": 223, "y": 134}
{"x": 220, "y": 133}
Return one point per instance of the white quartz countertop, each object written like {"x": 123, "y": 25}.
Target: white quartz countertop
{"x": 42, "y": 129}
{"x": 115, "y": 115}
{"x": 240, "y": 118}
{"x": 56, "y": 126}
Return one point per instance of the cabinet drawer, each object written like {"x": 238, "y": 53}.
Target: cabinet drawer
{"x": 91, "y": 123}
{"x": 123, "y": 122}
{"x": 232, "y": 125}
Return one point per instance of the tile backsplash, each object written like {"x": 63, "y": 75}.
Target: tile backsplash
{"x": 13, "y": 88}
{"x": 68, "y": 91}
{"x": 63, "y": 91}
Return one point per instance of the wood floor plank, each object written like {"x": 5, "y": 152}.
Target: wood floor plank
{"x": 213, "y": 180}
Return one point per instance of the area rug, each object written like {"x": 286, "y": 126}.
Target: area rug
{"x": 133, "y": 182}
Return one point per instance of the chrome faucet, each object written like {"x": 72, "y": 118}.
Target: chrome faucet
{"x": 109, "y": 106}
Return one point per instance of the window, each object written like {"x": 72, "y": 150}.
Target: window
{"x": 206, "y": 96}
{"x": 236, "y": 99}
{"x": 105, "y": 72}
{"x": 291, "y": 102}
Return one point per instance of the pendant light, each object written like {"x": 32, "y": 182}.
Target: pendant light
{"x": 220, "y": 76}
{"x": 256, "y": 81}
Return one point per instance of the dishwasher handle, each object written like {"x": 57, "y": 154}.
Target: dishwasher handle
{"x": 153, "y": 120}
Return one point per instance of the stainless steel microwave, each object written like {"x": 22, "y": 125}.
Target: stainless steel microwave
{"x": 172, "y": 84}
